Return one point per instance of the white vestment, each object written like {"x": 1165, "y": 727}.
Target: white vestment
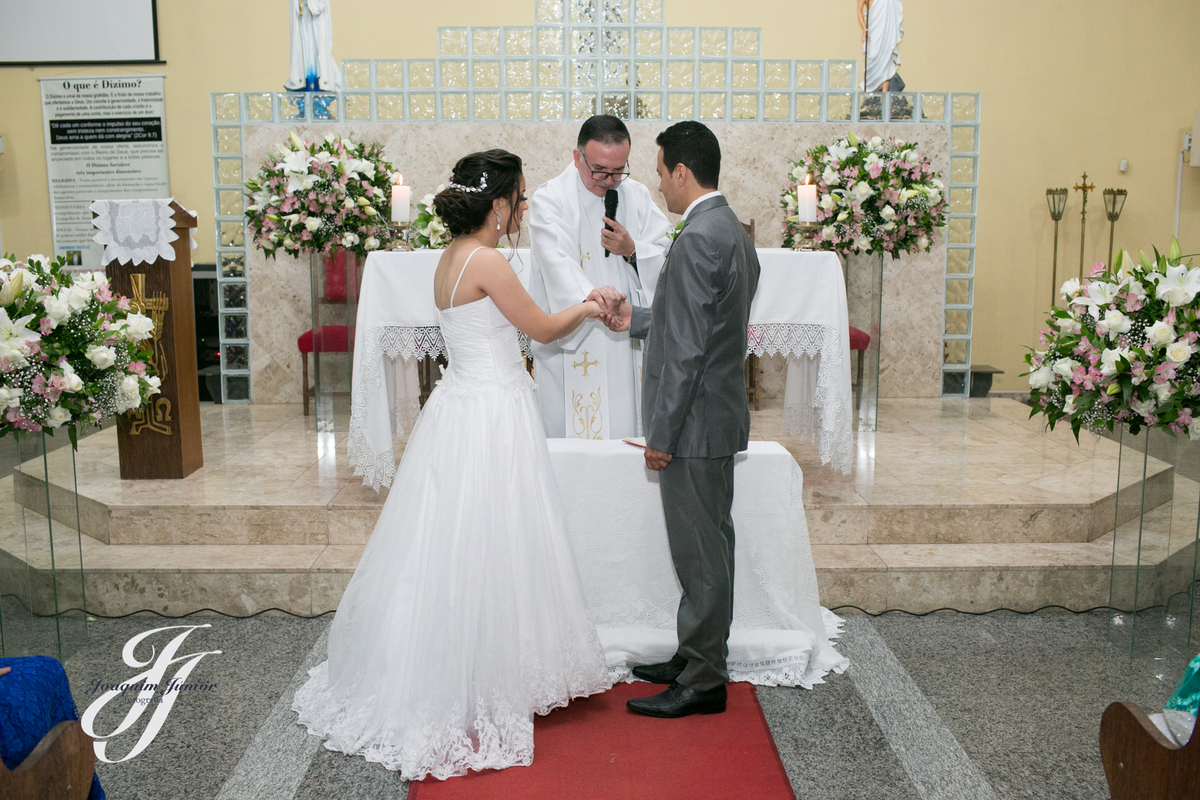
{"x": 884, "y": 18}
{"x": 589, "y": 383}
{"x": 312, "y": 45}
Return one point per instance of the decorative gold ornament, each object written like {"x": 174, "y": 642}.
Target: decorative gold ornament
{"x": 155, "y": 415}
{"x": 585, "y": 363}
{"x": 588, "y": 419}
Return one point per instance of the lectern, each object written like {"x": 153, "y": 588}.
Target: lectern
{"x": 162, "y": 439}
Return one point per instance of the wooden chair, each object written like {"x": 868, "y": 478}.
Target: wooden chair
{"x": 1141, "y": 763}
{"x": 859, "y": 342}
{"x": 751, "y": 360}
{"x": 60, "y": 767}
{"x": 326, "y": 339}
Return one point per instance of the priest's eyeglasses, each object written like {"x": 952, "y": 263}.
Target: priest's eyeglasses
{"x": 604, "y": 175}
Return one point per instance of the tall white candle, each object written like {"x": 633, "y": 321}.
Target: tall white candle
{"x": 806, "y": 202}
{"x": 401, "y": 195}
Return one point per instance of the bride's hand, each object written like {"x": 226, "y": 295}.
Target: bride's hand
{"x": 594, "y": 309}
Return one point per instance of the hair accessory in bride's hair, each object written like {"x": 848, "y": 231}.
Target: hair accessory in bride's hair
{"x": 472, "y": 189}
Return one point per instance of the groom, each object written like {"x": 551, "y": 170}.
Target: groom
{"x": 694, "y": 411}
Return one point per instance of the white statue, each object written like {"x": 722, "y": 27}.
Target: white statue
{"x": 313, "y": 65}
{"x": 881, "y": 21}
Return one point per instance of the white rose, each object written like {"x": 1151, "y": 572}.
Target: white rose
{"x": 1069, "y": 325}
{"x": 862, "y": 190}
{"x": 798, "y": 173}
{"x": 56, "y": 310}
{"x": 1160, "y": 333}
{"x": 888, "y": 213}
{"x": 103, "y": 357}
{"x": 137, "y": 327}
{"x": 863, "y": 244}
{"x": 92, "y": 281}
{"x": 1065, "y": 366}
{"x": 289, "y": 243}
{"x": 923, "y": 242}
{"x": 350, "y": 239}
{"x": 1144, "y": 408}
{"x": 1069, "y": 288}
{"x": 348, "y": 203}
{"x": 912, "y": 156}
{"x": 1179, "y": 352}
{"x": 935, "y": 197}
{"x": 1069, "y": 404}
{"x": 1114, "y": 322}
{"x": 828, "y": 232}
{"x": 1163, "y": 392}
{"x": 827, "y": 202}
{"x": 129, "y": 394}
{"x": 1194, "y": 431}
{"x": 1136, "y": 289}
{"x": 875, "y": 141}
{"x": 58, "y": 416}
{"x": 10, "y": 397}
{"x": 76, "y": 296}
{"x": 1040, "y": 378}
{"x": 312, "y": 223}
{"x": 372, "y": 243}
{"x": 1110, "y": 360}
{"x": 74, "y": 382}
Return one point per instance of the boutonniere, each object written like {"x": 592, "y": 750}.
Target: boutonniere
{"x": 672, "y": 234}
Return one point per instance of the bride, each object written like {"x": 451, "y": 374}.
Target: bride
{"x": 466, "y": 615}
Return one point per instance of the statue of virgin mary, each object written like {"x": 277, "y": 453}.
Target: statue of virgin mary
{"x": 313, "y": 66}
{"x": 881, "y": 21}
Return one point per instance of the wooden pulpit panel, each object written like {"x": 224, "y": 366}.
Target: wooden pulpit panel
{"x": 162, "y": 440}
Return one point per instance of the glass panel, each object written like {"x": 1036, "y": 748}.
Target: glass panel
{"x": 649, "y": 11}
{"x": 960, "y": 231}
{"x": 839, "y": 107}
{"x": 808, "y": 107}
{"x": 291, "y": 107}
{"x": 958, "y": 292}
{"x": 712, "y": 105}
{"x": 233, "y": 265}
{"x": 452, "y": 41}
{"x": 389, "y": 106}
{"x": 357, "y": 74}
{"x": 681, "y": 105}
{"x": 962, "y": 169}
{"x": 235, "y": 326}
{"x": 615, "y": 42}
{"x": 776, "y": 105}
{"x": 870, "y": 106}
{"x": 745, "y": 75}
{"x": 958, "y": 321}
{"x": 454, "y": 74}
{"x": 583, "y": 74}
{"x": 551, "y": 105}
{"x": 390, "y": 74}
{"x": 233, "y": 295}
{"x": 583, "y": 105}
{"x": 237, "y": 387}
{"x": 583, "y": 11}
{"x": 616, "y": 75}
{"x": 519, "y": 105}
{"x": 549, "y": 11}
{"x": 422, "y": 106}
{"x": 550, "y": 74}
{"x": 454, "y": 106}
{"x": 518, "y": 74}
{"x": 616, "y": 12}
{"x": 420, "y": 75}
{"x": 358, "y": 106}
{"x": 229, "y": 171}
{"x": 964, "y": 108}
{"x": 712, "y": 74}
{"x": 808, "y": 74}
{"x": 933, "y": 107}
{"x": 227, "y": 108}
{"x": 681, "y": 74}
{"x": 229, "y": 202}
{"x": 954, "y": 351}
{"x": 237, "y": 356}
{"x": 616, "y": 104}
{"x": 962, "y": 201}
{"x": 900, "y": 107}
{"x": 649, "y": 74}
{"x": 682, "y": 41}
{"x": 963, "y": 140}
{"x": 745, "y": 106}
{"x": 777, "y": 74}
{"x": 583, "y": 42}
{"x": 649, "y": 42}
{"x": 841, "y": 74}
{"x": 649, "y": 106}
{"x": 485, "y": 42}
{"x": 958, "y": 261}
{"x": 550, "y": 42}
{"x": 258, "y": 107}
{"x": 518, "y": 41}
{"x": 229, "y": 140}
{"x": 714, "y": 42}
{"x": 487, "y": 74}
{"x": 324, "y": 107}
{"x": 231, "y": 234}
{"x": 487, "y": 105}
{"x": 745, "y": 43}
{"x": 954, "y": 383}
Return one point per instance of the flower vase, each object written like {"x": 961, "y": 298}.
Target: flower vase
{"x": 42, "y": 597}
{"x": 1152, "y": 588}
{"x": 335, "y": 277}
{"x": 864, "y": 303}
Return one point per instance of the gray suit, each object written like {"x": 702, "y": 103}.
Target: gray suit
{"x": 694, "y": 407}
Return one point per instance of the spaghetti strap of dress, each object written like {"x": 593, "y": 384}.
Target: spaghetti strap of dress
{"x": 462, "y": 272}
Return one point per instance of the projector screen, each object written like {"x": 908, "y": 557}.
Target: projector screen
{"x": 77, "y": 31}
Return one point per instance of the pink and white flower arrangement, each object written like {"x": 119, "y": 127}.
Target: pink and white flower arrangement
{"x": 873, "y": 196}
{"x": 1122, "y": 348}
{"x": 313, "y": 197}
{"x": 71, "y": 351}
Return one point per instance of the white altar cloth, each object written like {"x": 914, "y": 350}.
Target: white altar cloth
{"x": 799, "y": 311}
{"x": 780, "y": 634}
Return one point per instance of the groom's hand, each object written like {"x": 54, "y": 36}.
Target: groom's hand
{"x": 617, "y": 241}
{"x": 608, "y": 297}
{"x": 656, "y": 460}
{"x": 619, "y": 320}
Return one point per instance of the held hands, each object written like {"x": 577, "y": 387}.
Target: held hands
{"x": 609, "y": 300}
{"x": 617, "y": 241}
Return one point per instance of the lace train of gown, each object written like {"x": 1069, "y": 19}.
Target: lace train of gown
{"x": 466, "y": 615}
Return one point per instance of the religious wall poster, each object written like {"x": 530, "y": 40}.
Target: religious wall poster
{"x": 106, "y": 139}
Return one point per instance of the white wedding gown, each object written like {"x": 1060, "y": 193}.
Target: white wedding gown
{"x": 466, "y": 615}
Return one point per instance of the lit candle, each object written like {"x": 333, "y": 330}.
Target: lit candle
{"x": 401, "y": 195}
{"x": 806, "y": 201}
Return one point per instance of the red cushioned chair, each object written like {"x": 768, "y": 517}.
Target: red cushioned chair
{"x": 326, "y": 339}
{"x": 859, "y": 342}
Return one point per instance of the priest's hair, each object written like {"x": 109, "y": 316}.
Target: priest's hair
{"x": 464, "y": 211}
{"x": 603, "y": 128}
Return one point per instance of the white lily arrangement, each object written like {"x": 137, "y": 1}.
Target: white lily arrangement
{"x": 71, "y": 351}
{"x": 428, "y": 232}
{"x": 1121, "y": 349}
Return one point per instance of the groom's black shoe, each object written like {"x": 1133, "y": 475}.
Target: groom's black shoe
{"x": 665, "y": 672}
{"x": 680, "y": 701}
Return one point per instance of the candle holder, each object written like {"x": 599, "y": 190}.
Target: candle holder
{"x": 803, "y": 238}
{"x": 400, "y": 235}
{"x": 1056, "y": 199}
{"x": 1114, "y": 203}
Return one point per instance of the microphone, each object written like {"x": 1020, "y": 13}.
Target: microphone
{"x": 610, "y": 211}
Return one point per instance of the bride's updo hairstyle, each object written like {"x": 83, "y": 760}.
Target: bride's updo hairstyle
{"x": 465, "y": 205}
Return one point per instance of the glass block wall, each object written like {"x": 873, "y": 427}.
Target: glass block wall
{"x": 580, "y": 58}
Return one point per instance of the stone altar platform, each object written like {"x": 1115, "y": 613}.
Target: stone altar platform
{"x": 952, "y": 503}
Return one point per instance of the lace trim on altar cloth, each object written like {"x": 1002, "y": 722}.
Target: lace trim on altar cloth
{"x": 135, "y": 231}
{"x": 826, "y": 419}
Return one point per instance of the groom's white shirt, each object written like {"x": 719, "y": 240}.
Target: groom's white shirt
{"x": 565, "y": 221}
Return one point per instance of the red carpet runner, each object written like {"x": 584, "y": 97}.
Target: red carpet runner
{"x": 596, "y": 748}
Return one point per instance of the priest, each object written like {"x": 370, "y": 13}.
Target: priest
{"x": 589, "y": 383}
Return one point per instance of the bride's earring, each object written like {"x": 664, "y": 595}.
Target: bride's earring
{"x": 497, "y": 220}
